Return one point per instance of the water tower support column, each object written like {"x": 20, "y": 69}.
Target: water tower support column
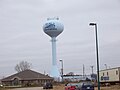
{"x": 54, "y": 72}
{"x": 54, "y": 51}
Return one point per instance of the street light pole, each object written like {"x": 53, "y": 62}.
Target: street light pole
{"x": 96, "y": 39}
{"x": 61, "y": 69}
{"x": 92, "y": 69}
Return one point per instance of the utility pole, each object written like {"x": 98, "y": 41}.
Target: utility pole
{"x": 83, "y": 71}
{"x": 105, "y": 66}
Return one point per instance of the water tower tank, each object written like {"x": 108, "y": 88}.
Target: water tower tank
{"x": 53, "y": 27}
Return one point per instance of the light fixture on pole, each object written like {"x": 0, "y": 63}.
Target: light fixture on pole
{"x": 61, "y": 69}
{"x": 96, "y": 39}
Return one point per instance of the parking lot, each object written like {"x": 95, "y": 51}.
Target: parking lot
{"x": 61, "y": 87}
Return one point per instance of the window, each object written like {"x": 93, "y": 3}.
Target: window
{"x": 116, "y": 72}
{"x": 103, "y": 74}
{"x": 101, "y": 77}
{"x": 107, "y": 73}
{"x": 15, "y": 81}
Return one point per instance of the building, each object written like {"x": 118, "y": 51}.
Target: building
{"x": 72, "y": 78}
{"x": 26, "y": 78}
{"x": 111, "y": 75}
{"x": 77, "y": 78}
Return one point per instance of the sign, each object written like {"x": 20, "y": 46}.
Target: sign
{"x": 104, "y": 78}
{"x": 50, "y": 26}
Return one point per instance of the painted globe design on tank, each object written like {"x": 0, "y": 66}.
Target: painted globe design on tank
{"x": 53, "y": 27}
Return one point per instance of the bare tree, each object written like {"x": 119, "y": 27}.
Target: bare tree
{"x": 22, "y": 66}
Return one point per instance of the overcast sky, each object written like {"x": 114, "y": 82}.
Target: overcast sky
{"x": 22, "y": 37}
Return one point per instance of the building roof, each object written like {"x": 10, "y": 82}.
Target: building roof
{"x": 110, "y": 69}
{"x": 27, "y": 75}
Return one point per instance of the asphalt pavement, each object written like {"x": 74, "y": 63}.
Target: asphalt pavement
{"x": 31, "y": 88}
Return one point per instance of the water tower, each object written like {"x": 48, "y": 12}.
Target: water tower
{"x": 53, "y": 28}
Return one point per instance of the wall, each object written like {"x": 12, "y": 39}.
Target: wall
{"x": 109, "y": 75}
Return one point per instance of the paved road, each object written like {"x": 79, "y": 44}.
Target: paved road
{"x": 32, "y": 88}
